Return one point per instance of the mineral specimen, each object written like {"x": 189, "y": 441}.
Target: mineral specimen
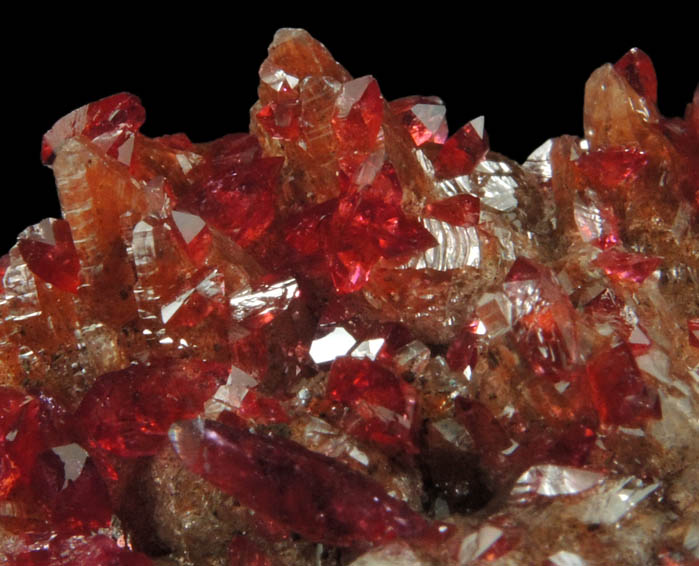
{"x": 348, "y": 338}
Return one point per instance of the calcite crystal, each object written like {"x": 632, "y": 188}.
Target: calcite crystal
{"x": 350, "y": 338}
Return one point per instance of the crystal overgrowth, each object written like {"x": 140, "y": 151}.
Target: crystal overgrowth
{"x": 349, "y": 338}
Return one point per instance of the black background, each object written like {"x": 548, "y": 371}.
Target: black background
{"x": 523, "y": 71}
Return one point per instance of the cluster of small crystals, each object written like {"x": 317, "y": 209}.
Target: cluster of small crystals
{"x": 348, "y": 338}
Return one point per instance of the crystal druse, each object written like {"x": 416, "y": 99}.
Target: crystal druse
{"x": 351, "y": 338}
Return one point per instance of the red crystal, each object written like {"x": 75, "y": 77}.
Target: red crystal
{"x": 459, "y": 210}
{"x": 233, "y": 188}
{"x": 423, "y": 117}
{"x": 383, "y": 404}
{"x": 611, "y": 167}
{"x": 202, "y": 297}
{"x": 110, "y": 123}
{"x": 544, "y": 327}
{"x": 194, "y": 233}
{"x": 693, "y": 325}
{"x": 347, "y": 236}
{"x": 20, "y": 438}
{"x": 354, "y": 379}
{"x": 462, "y": 151}
{"x": 128, "y": 412}
{"x": 358, "y": 114}
{"x": 620, "y": 394}
{"x": 263, "y": 410}
{"x": 624, "y": 266}
{"x": 281, "y": 120}
{"x": 637, "y": 68}
{"x": 81, "y": 506}
{"x": 50, "y": 253}
{"x": 316, "y": 496}
{"x": 463, "y": 351}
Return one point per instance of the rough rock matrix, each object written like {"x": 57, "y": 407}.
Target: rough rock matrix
{"x": 350, "y": 338}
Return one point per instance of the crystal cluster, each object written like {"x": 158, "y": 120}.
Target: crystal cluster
{"x": 350, "y": 338}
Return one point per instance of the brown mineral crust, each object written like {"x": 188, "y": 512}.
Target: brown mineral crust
{"x": 181, "y": 513}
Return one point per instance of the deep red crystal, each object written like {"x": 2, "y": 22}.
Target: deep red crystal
{"x": 637, "y": 68}
{"x": 261, "y": 409}
{"x": 318, "y": 497}
{"x": 358, "y": 114}
{"x": 625, "y": 266}
{"x": 83, "y": 505}
{"x": 20, "y": 438}
{"x": 611, "y": 167}
{"x": 463, "y": 350}
{"x": 53, "y": 257}
{"x": 620, "y": 394}
{"x": 110, "y": 122}
{"x": 281, "y": 120}
{"x": 346, "y": 237}
{"x": 462, "y": 151}
{"x": 128, "y": 412}
{"x": 423, "y": 117}
{"x": 693, "y": 327}
{"x": 383, "y": 404}
{"x": 233, "y": 188}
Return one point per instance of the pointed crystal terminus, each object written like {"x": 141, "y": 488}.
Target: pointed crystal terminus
{"x": 318, "y": 497}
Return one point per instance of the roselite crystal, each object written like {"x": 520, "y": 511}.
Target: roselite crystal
{"x": 349, "y": 338}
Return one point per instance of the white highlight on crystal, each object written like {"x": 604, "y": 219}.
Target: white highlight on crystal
{"x": 352, "y": 92}
{"x": 333, "y": 345}
{"x": 498, "y": 192}
{"x": 368, "y": 349}
{"x": 188, "y": 224}
{"x": 550, "y": 480}
{"x": 612, "y": 501}
{"x": 394, "y": 554}
{"x": 475, "y": 544}
{"x": 231, "y": 394}
{"x": 565, "y": 558}
{"x": 264, "y": 299}
{"x": 169, "y": 310}
{"x": 73, "y": 457}
{"x": 478, "y": 125}
{"x": 539, "y": 162}
{"x": 431, "y": 116}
